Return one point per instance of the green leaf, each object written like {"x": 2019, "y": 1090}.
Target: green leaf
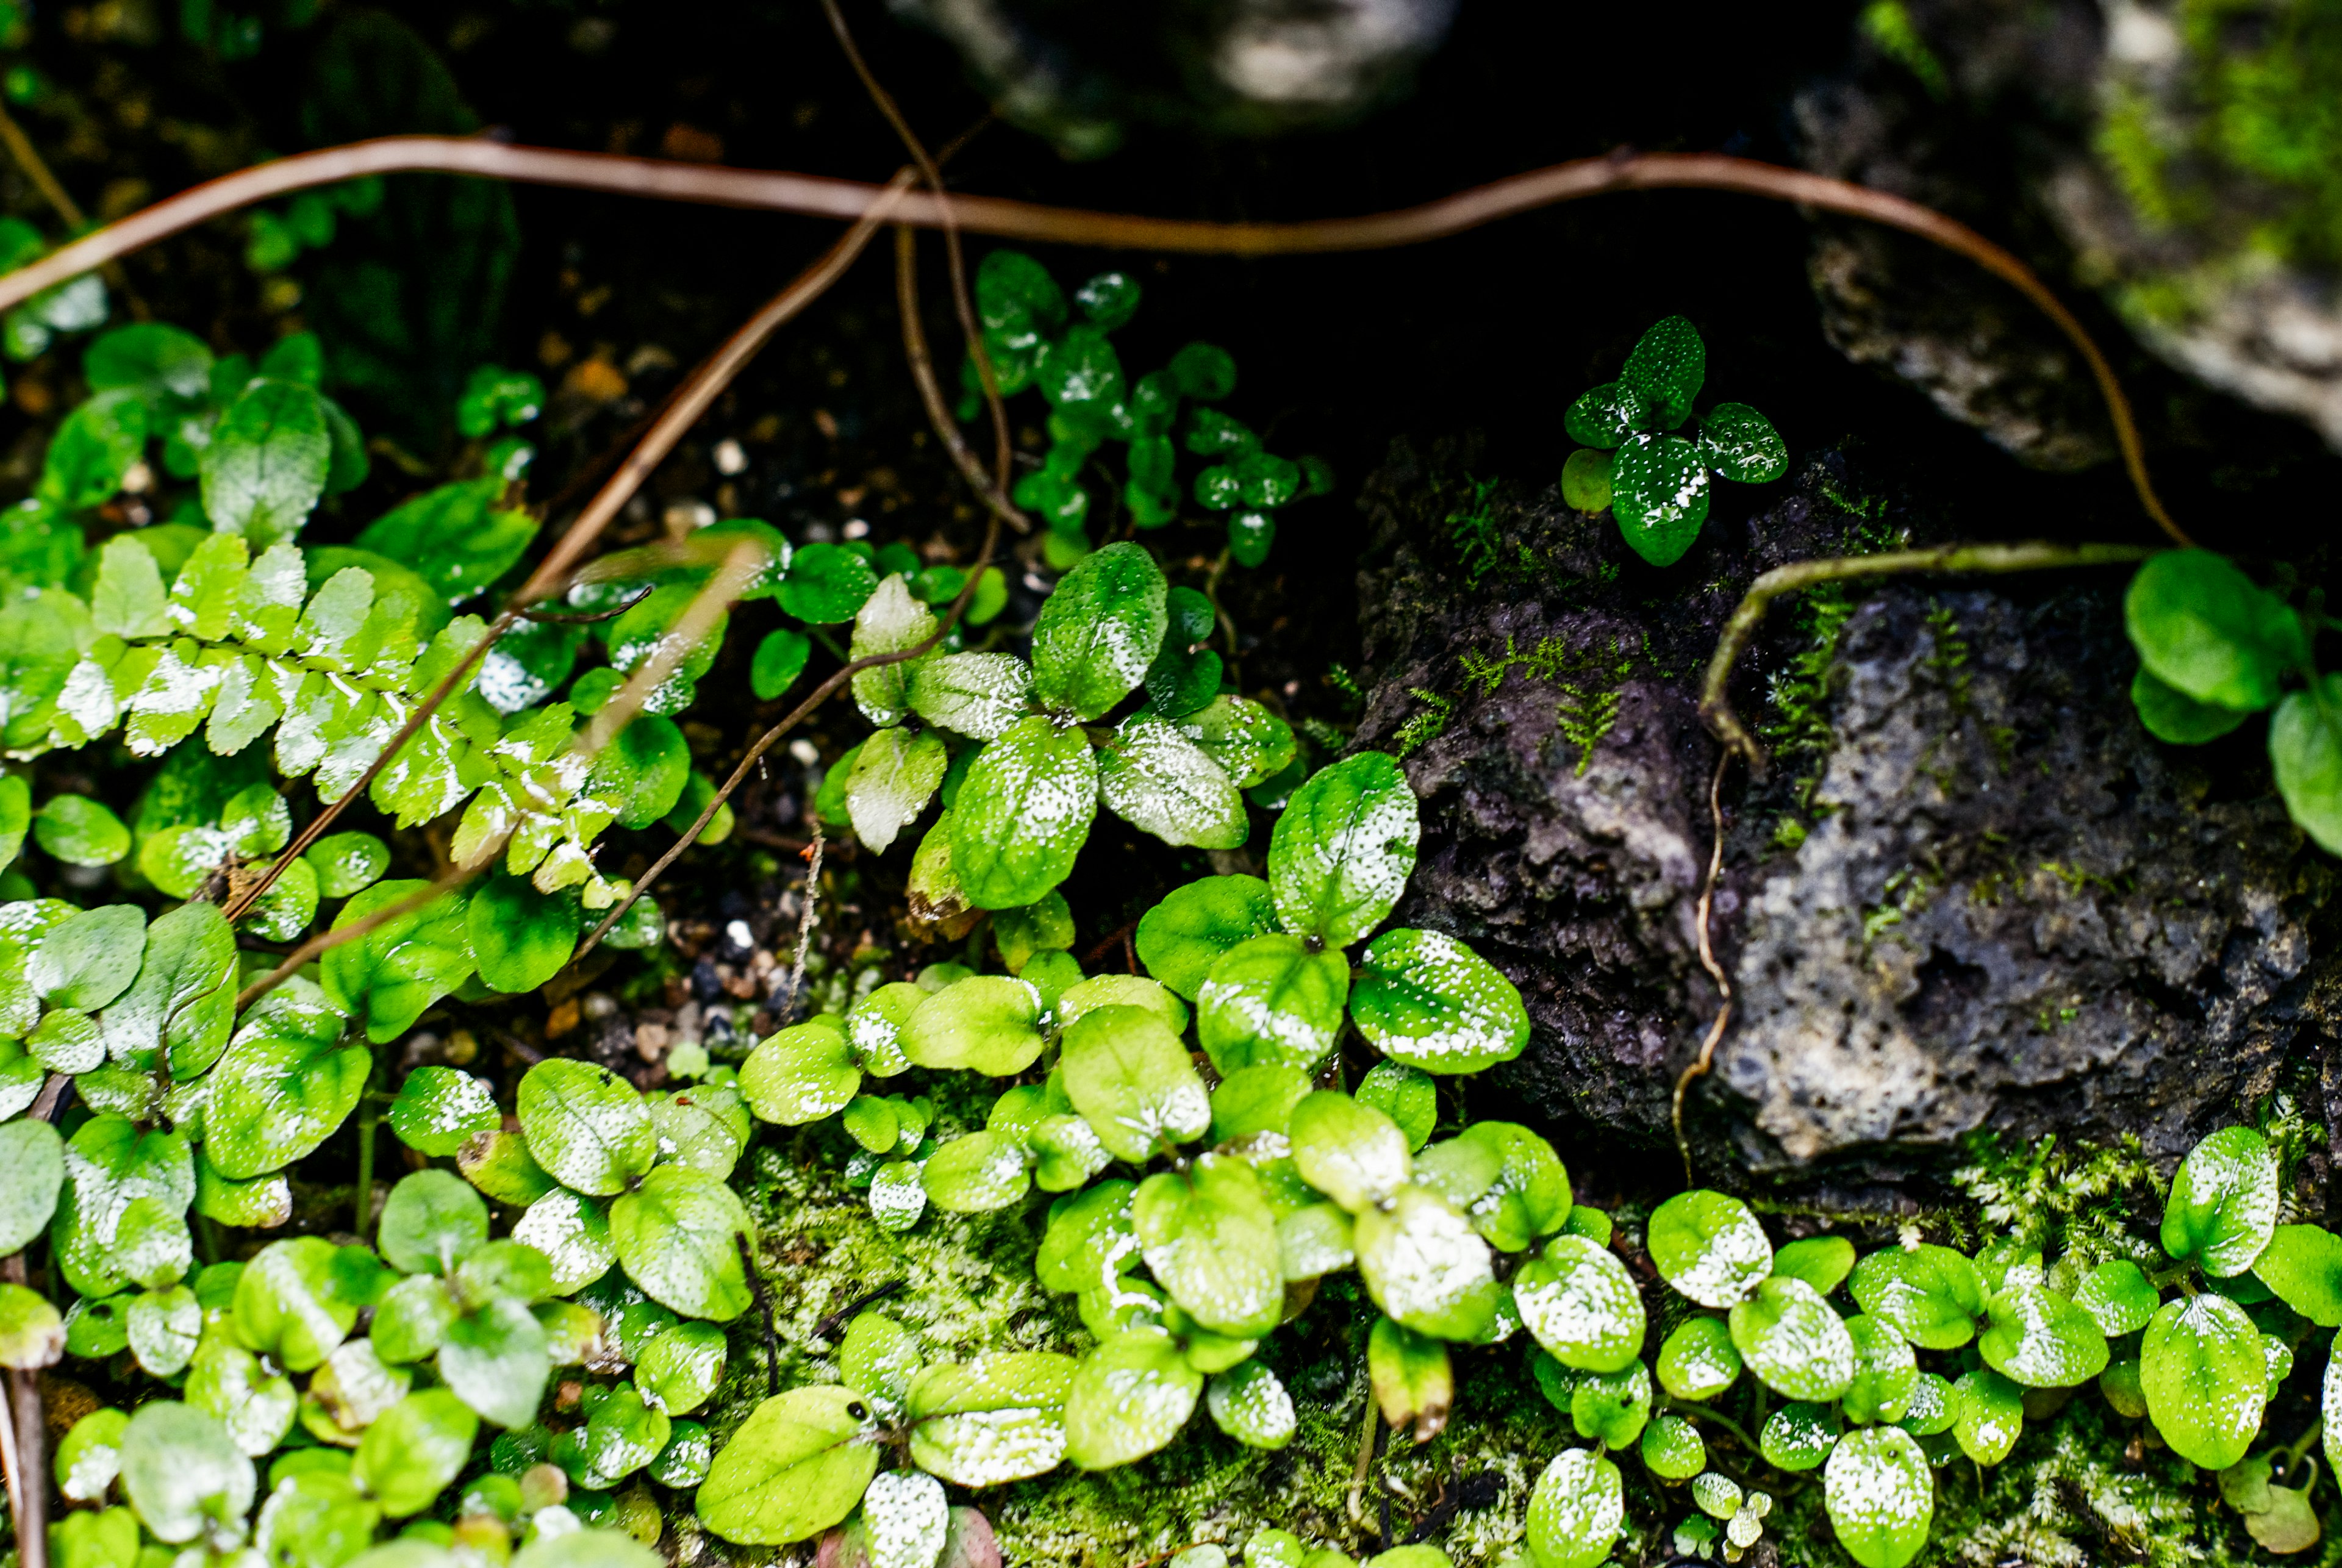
{"x": 1425, "y": 1267}
{"x": 284, "y": 1084}
{"x": 894, "y": 775}
{"x": 494, "y": 1360}
{"x": 1426, "y": 998}
{"x": 1659, "y": 493}
{"x": 674, "y": 1234}
{"x": 798, "y": 1466}
{"x": 150, "y": 359}
{"x": 1353, "y": 1154}
{"x": 2170, "y": 714}
{"x": 1605, "y": 415}
{"x": 520, "y": 937}
{"x": 1098, "y": 632}
{"x": 1180, "y": 939}
{"x": 572, "y": 1233}
{"x": 1885, "y": 1372}
{"x": 439, "y": 1109}
{"x": 1407, "y": 1096}
{"x": 32, "y": 1173}
{"x": 1127, "y": 1072}
{"x": 83, "y": 961}
{"x": 997, "y": 1418}
{"x": 1211, "y": 1242}
{"x": 183, "y": 999}
{"x": 2117, "y": 1295}
{"x": 32, "y": 1335}
{"x": 1800, "y": 1434}
{"x": 1741, "y": 444}
{"x": 779, "y": 660}
{"x": 988, "y": 1024}
{"x": 95, "y": 448}
{"x": 1250, "y": 744}
{"x": 1128, "y": 1398}
{"x": 90, "y": 1456}
{"x": 2223, "y": 1206}
{"x": 1612, "y": 1407}
{"x": 110, "y": 1166}
{"x": 454, "y": 537}
{"x": 1881, "y": 1495}
{"x": 803, "y": 1073}
{"x": 975, "y": 694}
{"x": 1413, "y": 1382}
{"x": 587, "y": 1126}
{"x": 889, "y": 622}
{"x": 226, "y": 1380}
{"x": 1793, "y": 1341}
{"x": 414, "y": 1449}
{"x": 80, "y": 830}
{"x": 678, "y": 1371}
{"x": 2206, "y": 630}
{"x": 499, "y": 1164}
{"x": 268, "y": 462}
{"x": 1155, "y": 779}
{"x": 1580, "y": 1303}
{"x": 1341, "y": 854}
{"x": 1576, "y": 1511}
{"x": 1931, "y": 1296}
{"x": 1023, "y": 813}
{"x": 1822, "y": 1261}
{"x": 826, "y": 584}
{"x": 1666, "y": 367}
{"x": 179, "y": 1470}
{"x": 2305, "y": 743}
{"x": 979, "y": 1173}
{"x": 2205, "y": 1379}
{"x": 1505, "y": 1177}
{"x": 647, "y": 632}
{"x": 431, "y": 1219}
{"x": 1273, "y": 1000}
{"x": 387, "y": 977}
{"x": 290, "y": 1306}
{"x": 315, "y": 1515}
{"x": 1250, "y": 1403}
{"x": 1710, "y": 1247}
{"x": 642, "y": 771}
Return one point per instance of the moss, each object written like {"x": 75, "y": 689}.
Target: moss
{"x": 2245, "y": 152}
{"x": 1887, "y": 24}
{"x": 1421, "y": 729}
{"x": 2094, "y": 1204}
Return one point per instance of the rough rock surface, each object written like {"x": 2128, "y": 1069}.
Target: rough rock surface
{"x": 1972, "y": 894}
{"x": 2167, "y": 154}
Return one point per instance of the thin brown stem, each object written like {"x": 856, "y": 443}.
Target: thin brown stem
{"x": 922, "y": 373}
{"x": 26, "y": 1452}
{"x": 36, "y": 169}
{"x": 813, "y": 195}
{"x": 552, "y": 574}
{"x": 1716, "y": 708}
{"x": 931, "y": 171}
{"x": 1706, "y": 1060}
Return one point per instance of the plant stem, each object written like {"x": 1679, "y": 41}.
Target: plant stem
{"x": 1715, "y": 699}
{"x": 772, "y": 190}
{"x": 27, "y": 1452}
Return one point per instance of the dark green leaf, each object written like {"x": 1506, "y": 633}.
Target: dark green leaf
{"x": 1741, "y": 444}
{"x": 284, "y": 1084}
{"x": 1426, "y": 998}
{"x": 520, "y": 937}
{"x": 1023, "y": 813}
{"x": 1099, "y": 632}
{"x": 585, "y": 1125}
{"x": 674, "y": 1234}
{"x": 1666, "y": 367}
{"x": 2206, "y": 630}
{"x": 1659, "y": 493}
{"x": 388, "y": 976}
{"x": 267, "y": 464}
{"x": 2223, "y": 1206}
{"x": 826, "y": 584}
{"x": 2205, "y": 1379}
{"x": 1180, "y": 939}
{"x": 454, "y": 537}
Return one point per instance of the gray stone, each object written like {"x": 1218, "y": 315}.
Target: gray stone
{"x": 2010, "y": 909}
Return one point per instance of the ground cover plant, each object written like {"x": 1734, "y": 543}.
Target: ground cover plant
{"x": 1261, "y": 1121}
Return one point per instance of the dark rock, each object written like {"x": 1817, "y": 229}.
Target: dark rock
{"x": 2158, "y": 152}
{"x": 1082, "y": 75}
{"x": 1971, "y": 892}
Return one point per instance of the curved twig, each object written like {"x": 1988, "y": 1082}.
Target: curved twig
{"x": 586, "y": 617}
{"x": 1714, "y": 697}
{"x": 819, "y": 196}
